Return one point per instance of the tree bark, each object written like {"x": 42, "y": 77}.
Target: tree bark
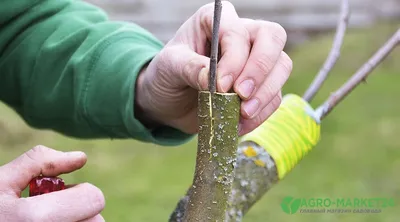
{"x": 180, "y": 209}
{"x": 216, "y": 157}
{"x": 252, "y": 180}
{"x": 268, "y": 153}
{"x": 255, "y": 174}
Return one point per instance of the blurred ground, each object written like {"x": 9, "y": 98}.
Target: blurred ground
{"x": 357, "y": 156}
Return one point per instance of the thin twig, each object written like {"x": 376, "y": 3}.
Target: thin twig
{"x": 359, "y": 76}
{"x": 214, "y": 46}
{"x": 333, "y": 54}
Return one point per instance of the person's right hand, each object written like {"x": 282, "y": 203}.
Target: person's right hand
{"x": 252, "y": 64}
{"x": 82, "y": 202}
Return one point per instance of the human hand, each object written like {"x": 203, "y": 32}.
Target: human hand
{"x": 252, "y": 61}
{"x": 82, "y": 202}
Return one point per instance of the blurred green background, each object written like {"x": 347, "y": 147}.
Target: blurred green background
{"x": 358, "y": 155}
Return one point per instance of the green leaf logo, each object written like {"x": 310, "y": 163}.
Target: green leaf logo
{"x": 290, "y": 205}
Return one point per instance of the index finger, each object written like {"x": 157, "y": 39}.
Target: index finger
{"x": 268, "y": 40}
{"x": 234, "y": 40}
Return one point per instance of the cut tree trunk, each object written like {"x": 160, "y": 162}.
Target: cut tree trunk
{"x": 216, "y": 157}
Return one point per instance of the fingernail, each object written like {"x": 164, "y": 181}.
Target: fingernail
{"x": 202, "y": 80}
{"x": 77, "y": 154}
{"x": 226, "y": 82}
{"x": 246, "y": 88}
{"x": 251, "y": 107}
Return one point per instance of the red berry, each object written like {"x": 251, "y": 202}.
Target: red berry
{"x": 41, "y": 185}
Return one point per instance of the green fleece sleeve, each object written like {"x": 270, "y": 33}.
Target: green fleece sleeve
{"x": 64, "y": 66}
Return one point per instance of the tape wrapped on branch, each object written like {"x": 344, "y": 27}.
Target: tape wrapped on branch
{"x": 288, "y": 135}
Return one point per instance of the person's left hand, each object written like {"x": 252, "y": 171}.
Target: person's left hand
{"x": 252, "y": 62}
{"x": 78, "y": 203}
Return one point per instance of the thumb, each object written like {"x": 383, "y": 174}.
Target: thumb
{"x": 185, "y": 67}
{"x": 39, "y": 160}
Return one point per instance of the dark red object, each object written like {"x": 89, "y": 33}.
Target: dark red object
{"x": 42, "y": 185}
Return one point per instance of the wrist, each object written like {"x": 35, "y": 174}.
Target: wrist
{"x": 142, "y": 110}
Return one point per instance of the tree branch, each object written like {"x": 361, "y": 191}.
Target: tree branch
{"x": 214, "y": 47}
{"x": 333, "y": 54}
{"x": 256, "y": 171}
{"x": 359, "y": 76}
{"x": 254, "y": 176}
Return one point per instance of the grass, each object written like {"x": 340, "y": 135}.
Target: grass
{"x": 357, "y": 156}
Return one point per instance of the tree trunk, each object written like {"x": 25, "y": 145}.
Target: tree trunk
{"x": 267, "y": 154}
{"x": 216, "y": 157}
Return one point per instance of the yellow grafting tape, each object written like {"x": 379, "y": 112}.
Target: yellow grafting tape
{"x": 288, "y": 134}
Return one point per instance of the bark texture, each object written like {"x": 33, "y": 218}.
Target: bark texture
{"x": 216, "y": 157}
{"x": 255, "y": 174}
{"x": 180, "y": 209}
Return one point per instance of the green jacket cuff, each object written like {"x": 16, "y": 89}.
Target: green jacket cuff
{"x": 110, "y": 92}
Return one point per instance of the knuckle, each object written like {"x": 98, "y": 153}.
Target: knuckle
{"x": 38, "y": 153}
{"x": 189, "y": 70}
{"x": 209, "y": 8}
{"x": 280, "y": 96}
{"x": 268, "y": 90}
{"x": 205, "y": 14}
{"x": 278, "y": 29}
{"x": 229, "y": 34}
{"x": 264, "y": 63}
{"x": 34, "y": 152}
{"x": 277, "y": 101}
{"x": 205, "y": 9}
{"x": 278, "y": 33}
{"x": 39, "y": 149}
{"x": 269, "y": 109}
{"x": 259, "y": 119}
{"x": 227, "y": 4}
{"x": 274, "y": 105}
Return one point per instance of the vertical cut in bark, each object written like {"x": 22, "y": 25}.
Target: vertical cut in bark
{"x": 216, "y": 156}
